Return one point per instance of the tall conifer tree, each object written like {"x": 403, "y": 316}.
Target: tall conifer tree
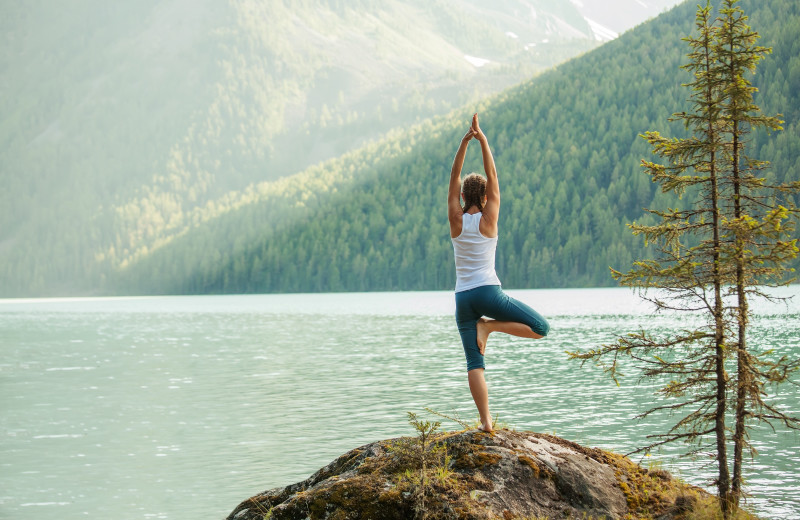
{"x": 734, "y": 237}
{"x": 758, "y": 227}
{"x": 687, "y": 269}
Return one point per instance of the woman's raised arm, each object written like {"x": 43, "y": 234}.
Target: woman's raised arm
{"x": 491, "y": 210}
{"x": 454, "y": 211}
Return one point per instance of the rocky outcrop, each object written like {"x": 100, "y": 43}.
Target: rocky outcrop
{"x": 475, "y": 475}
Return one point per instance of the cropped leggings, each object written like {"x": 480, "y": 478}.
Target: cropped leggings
{"x": 492, "y": 302}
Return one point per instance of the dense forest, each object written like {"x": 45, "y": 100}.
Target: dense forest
{"x": 126, "y": 125}
{"x": 568, "y": 149}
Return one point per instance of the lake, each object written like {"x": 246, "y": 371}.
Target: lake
{"x": 181, "y": 407}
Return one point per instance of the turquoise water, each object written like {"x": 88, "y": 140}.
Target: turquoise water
{"x": 181, "y": 407}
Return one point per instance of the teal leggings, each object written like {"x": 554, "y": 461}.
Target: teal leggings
{"x": 492, "y": 302}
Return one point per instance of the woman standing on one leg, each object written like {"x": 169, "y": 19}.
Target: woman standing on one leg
{"x": 473, "y": 230}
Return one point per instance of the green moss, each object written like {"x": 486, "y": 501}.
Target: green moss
{"x": 363, "y": 494}
{"x": 538, "y": 471}
{"x": 476, "y": 457}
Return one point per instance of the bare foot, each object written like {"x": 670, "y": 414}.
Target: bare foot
{"x": 483, "y": 336}
{"x": 484, "y": 428}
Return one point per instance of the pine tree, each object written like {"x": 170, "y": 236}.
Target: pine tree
{"x": 758, "y": 228}
{"x": 687, "y": 271}
{"x": 734, "y": 239}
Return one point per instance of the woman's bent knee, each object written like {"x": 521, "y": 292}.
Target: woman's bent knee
{"x": 543, "y": 327}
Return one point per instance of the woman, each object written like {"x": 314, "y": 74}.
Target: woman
{"x": 473, "y": 230}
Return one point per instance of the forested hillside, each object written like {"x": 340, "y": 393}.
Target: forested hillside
{"x": 567, "y": 151}
{"x": 127, "y": 123}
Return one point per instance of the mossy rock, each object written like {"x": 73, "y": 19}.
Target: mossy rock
{"x": 475, "y": 475}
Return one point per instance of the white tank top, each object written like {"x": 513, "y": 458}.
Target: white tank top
{"x": 474, "y": 255}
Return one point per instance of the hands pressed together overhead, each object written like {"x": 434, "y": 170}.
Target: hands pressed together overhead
{"x": 474, "y": 131}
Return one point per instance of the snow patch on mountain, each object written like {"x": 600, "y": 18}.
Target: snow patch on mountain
{"x": 601, "y": 33}
{"x": 477, "y": 62}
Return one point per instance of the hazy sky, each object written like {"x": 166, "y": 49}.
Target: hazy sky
{"x": 620, "y": 15}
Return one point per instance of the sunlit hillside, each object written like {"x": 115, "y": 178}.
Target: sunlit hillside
{"x": 568, "y": 149}
{"x": 128, "y": 123}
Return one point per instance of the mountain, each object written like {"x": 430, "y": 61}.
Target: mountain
{"x": 126, "y": 124}
{"x": 567, "y": 148}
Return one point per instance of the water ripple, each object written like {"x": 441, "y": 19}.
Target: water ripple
{"x": 118, "y": 407}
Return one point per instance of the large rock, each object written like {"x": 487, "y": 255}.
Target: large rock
{"x": 475, "y": 475}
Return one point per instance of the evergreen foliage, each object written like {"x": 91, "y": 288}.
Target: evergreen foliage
{"x": 736, "y": 237}
{"x": 127, "y": 125}
{"x": 762, "y": 239}
{"x": 567, "y": 154}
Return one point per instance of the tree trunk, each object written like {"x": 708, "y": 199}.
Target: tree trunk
{"x": 724, "y": 479}
{"x": 723, "y": 483}
{"x": 741, "y": 344}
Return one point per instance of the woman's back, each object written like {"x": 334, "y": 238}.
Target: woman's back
{"x": 474, "y": 255}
